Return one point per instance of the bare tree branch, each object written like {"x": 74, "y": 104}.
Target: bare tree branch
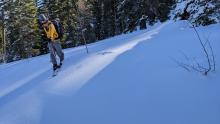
{"x": 212, "y": 54}
{"x": 185, "y": 66}
{"x": 204, "y": 49}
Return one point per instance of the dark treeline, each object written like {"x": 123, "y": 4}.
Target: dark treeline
{"x": 21, "y": 35}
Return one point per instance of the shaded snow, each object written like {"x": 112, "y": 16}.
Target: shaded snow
{"x": 128, "y": 79}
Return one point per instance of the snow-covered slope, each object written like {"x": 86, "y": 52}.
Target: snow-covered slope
{"x": 128, "y": 79}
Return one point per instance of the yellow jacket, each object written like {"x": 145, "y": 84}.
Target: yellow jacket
{"x": 51, "y": 32}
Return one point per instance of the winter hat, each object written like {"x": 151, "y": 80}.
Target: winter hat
{"x": 43, "y": 19}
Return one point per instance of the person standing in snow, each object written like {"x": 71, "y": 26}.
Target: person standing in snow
{"x": 54, "y": 44}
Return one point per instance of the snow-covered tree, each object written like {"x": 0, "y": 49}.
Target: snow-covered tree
{"x": 199, "y": 12}
{"x": 21, "y": 25}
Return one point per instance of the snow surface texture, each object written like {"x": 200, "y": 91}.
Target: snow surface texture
{"x": 128, "y": 79}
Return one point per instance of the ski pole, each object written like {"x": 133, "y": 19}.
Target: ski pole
{"x": 82, "y": 33}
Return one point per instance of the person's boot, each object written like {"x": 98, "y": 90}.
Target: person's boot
{"x": 60, "y": 65}
{"x": 55, "y": 70}
{"x": 55, "y": 67}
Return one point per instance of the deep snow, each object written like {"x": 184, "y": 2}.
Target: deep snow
{"x": 128, "y": 79}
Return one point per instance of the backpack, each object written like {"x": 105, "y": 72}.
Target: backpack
{"x": 58, "y": 28}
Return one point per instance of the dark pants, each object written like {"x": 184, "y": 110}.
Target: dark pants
{"x": 55, "y": 49}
